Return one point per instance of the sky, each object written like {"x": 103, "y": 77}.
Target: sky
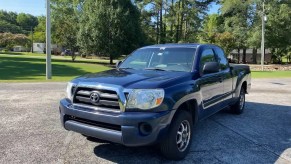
{"x": 37, "y": 7}
{"x": 33, "y": 7}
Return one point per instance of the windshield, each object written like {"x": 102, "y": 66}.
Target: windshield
{"x": 161, "y": 59}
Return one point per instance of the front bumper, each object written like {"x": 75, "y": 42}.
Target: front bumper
{"x": 122, "y": 128}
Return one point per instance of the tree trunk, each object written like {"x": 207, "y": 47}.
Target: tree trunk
{"x": 185, "y": 31}
{"x": 161, "y": 22}
{"x": 111, "y": 59}
{"x": 178, "y": 23}
{"x": 158, "y": 31}
{"x": 255, "y": 52}
{"x": 172, "y": 23}
{"x": 181, "y": 22}
{"x": 238, "y": 55}
{"x": 244, "y": 56}
{"x": 73, "y": 54}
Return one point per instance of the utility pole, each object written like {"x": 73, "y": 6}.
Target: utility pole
{"x": 48, "y": 41}
{"x": 263, "y": 37}
{"x": 31, "y": 39}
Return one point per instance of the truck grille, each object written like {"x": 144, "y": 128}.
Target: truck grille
{"x": 106, "y": 99}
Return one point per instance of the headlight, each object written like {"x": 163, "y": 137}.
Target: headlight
{"x": 145, "y": 98}
{"x": 69, "y": 90}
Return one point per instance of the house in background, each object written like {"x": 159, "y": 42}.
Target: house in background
{"x": 20, "y": 49}
{"x": 234, "y": 55}
{"x": 40, "y": 48}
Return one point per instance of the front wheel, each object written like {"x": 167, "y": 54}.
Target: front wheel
{"x": 239, "y": 106}
{"x": 177, "y": 144}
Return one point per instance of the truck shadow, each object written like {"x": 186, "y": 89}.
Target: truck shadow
{"x": 260, "y": 135}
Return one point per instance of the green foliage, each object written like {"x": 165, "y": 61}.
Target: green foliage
{"x": 236, "y": 14}
{"x": 110, "y": 28}
{"x": 211, "y": 26}
{"x": 9, "y": 17}
{"x": 278, "y": 29}
{"x": 9, "y": 40}
{"x": 65, "y": 20}
{"x": 226, "y": 41}
{"x": 26, "y": 21}
{"x": 39, "y": 35}
{"x": 8, "y": 27}
{"x": 16, "y": 23}
{"x": 172, "y": 21}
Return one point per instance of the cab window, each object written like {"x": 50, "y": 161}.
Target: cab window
{"x": 221, "y": 59}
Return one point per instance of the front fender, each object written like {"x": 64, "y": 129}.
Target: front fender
{"x": 186, "y": 92}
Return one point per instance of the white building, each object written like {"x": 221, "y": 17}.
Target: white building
{"x": 40, "y": 48}
{"x": 19, "y": 49}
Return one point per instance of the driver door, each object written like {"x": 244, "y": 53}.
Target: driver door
{"x": 211, "y": 85}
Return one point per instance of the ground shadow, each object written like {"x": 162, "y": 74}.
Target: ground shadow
{"x": 12, "y": 53}
{"x": 259, "y": 135}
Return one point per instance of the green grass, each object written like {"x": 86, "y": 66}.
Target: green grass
{"x": 21, "y": 67}
{"x": 28, "y": 67}
{"x": 271, "y": 74}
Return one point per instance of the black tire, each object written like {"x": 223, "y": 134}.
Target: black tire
{"x": 239, "y": 106}
{"x": 170, "y": 147}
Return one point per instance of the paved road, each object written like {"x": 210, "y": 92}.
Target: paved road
{"x": 31, "y": 131}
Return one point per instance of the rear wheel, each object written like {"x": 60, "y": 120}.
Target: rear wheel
{"x": 176, "y": 146}
{"x": 239, "y": 106}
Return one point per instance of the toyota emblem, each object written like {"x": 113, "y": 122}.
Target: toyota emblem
{"x": 94, "y": 97}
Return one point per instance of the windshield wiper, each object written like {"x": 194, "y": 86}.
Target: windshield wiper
{"x": 125, "y": 68}
{"x": 156, "y": 69}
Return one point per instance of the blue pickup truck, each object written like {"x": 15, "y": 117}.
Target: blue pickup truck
{"x": 155, "y": 96}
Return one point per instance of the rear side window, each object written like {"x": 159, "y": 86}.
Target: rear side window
{"x": 207, "y": 56}
{"x": 221, "y": 59}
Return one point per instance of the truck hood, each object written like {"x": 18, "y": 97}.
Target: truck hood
{"x": 142, "y": 79}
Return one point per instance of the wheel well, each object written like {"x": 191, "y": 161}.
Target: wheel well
{"x": 244, "y": 86}
{"x": 191, "y": 107}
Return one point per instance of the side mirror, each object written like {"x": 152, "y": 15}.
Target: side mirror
{"x": 210, "y": 67}
{"x": 118, "y": 64}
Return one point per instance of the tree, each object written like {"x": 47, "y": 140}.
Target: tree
{"x": 225, "y": 40}
{"x": 278, "y": 28}
{"x": 9, "y": 40}
{"x": 174, "y": 20}
{"x": 65, "y": 20}
{"x": 9, "y": 17}
{"x": 39, "y": 34}
{"x": 26, "y": 21}
{"x": 109, "y": 27}
{"x": 236, "y": 14}
{"x": 212, "y": 26}
{"x": 255, "y": 28}
{"x": 6, "y": 27}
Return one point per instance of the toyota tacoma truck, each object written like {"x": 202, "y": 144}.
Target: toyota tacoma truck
{"x": 155, "y": 96}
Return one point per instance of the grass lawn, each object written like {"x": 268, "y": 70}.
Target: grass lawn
{"x": 271, "y": 74}
{"x": 27, "y": 67}
{"x": 21, "y": 67}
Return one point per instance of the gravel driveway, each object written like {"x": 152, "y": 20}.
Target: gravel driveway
{"x": 31, "y": 131}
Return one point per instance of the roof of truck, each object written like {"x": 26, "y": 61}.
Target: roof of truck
{"x": 168, "y": 45}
